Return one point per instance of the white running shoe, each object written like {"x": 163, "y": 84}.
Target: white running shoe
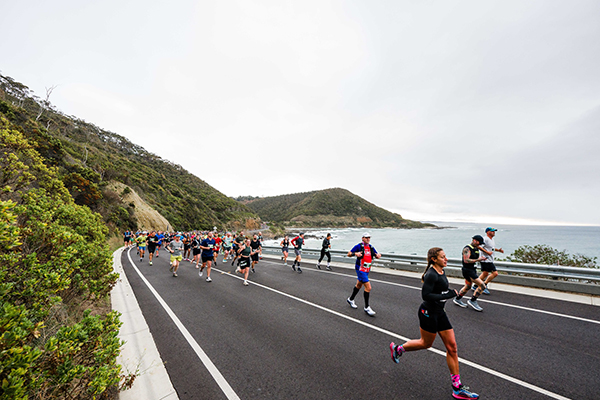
{"x": 208, "y": 279}
{"x": 370, "y": 311}
{"x": 245, "y": 283}
{"x": 238, "y": 270}
{"x": 352, "y": 303}
{"x": 200, "y": 274}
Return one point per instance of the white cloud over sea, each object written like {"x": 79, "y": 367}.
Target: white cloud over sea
{"x": 438, "y": 110}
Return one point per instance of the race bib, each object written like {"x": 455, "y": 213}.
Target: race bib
{"x": 365, "y": 267}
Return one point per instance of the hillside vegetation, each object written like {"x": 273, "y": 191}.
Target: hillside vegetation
{"x": 88, "y": 158}
{"x": 327, "y": 208}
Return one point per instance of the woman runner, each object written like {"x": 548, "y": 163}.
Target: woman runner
{"x": 433, "y": 320}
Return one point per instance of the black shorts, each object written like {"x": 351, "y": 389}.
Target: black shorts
{"x": 433, "y": 322}
{"x": 254, "y": 257}
{"x": 205, "y": 259}
{"x": 488, "y": 267}
{"x": 186, "y": 247}
{"x": 151, "y": 249}
{"x": 244, "y": 263}
{"x": 196, "y": 251}
{"x": 469, "y": 274}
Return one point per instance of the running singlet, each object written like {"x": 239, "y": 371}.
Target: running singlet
{"x": 366, "y": 260}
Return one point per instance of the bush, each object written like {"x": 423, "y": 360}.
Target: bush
{"x": 544, "y": 254}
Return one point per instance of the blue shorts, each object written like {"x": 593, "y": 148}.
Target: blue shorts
{"x": 362, "y": 276}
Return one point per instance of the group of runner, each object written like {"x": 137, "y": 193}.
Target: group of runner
{"x": 201, "y": 248}
{"x": 205, "y": 247}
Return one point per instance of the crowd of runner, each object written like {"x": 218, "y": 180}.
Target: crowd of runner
{"x": 202, "y": 249}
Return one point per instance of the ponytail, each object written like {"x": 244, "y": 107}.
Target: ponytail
{"x": 432, "y": 254}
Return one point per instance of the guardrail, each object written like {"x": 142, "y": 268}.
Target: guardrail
{"x": 571, "y": 279}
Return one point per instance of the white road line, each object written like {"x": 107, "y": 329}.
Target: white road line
{"x": 223, "y": 384}
{"x": 393, "y": 334}
{"x": 592, "y": 321}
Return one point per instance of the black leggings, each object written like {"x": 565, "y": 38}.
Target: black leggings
{"x": 323, "y": 254}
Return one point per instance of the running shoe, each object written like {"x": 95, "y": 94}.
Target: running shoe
{"x": 293, "y": 267}
{"x": 197, "y": 267}
{"x": 150, "y": 263}
{"x": 171, "y": 267}
{"x": 232, "y": 262}
{"x": 208, "y": 279}
{"x": 245, "y": 283}
{"x": 328, "y": 268}
{"x": 395, "y": 353}
{"x": 141, "y": 259}
{"x": 253, "y": 271}
{"x": 200, "y": 274}
{"x": 369, "y": 311}
{"x": 352, "y": 303}
{"x": 459, "y": 303}
{"x": 238, "y": 270}
{"x": 319, "y": 266}
{"x": 463, "y": 392}
{"x": 175, "y": 274}
{"x": 299, "y": 270}
{"x": 486, "y": 291}
{"x": 215, "y": 262}
{"x": 475, "y": 305}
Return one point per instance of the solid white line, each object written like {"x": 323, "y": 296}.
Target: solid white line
{"x": 482, "y": 300}
{"x": 223, "y": 384}
{"x": 393, "y": 334}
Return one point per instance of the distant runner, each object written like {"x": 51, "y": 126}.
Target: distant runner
{"x": 207, "y": 245}
{"x": 297, "y": 242}
{"x": 175, "y": 247}
{"x": 488, "y": 268}
{"x": 325, "y": 247}
{"x": 470, "y": 256}
{"x": 285, "y": 248}
{"x": 141, "y": 241}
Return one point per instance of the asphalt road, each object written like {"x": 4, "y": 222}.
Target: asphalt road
{"x": 293, "y": 336}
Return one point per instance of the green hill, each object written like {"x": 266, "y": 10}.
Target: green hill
{"x": 327, "y": 208}
{"x": 89, "y": 158}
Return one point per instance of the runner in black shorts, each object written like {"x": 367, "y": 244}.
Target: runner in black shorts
{"x": 285, "y": 248}
{"x": 433, "y": 320}
{"x": 469, "y": 272}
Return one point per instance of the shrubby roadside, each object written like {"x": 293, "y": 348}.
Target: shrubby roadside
{"x": 56, "y": 274}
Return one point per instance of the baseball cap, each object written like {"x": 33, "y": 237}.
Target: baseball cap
{"x": 366, "y": 234}
{"x": 479, "y": 238}
{"x": 489, "y": 229}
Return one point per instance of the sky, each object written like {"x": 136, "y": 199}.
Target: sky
{"x": 483, "y": 111}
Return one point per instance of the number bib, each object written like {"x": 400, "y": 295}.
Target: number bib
{"x": 365, "y": 267}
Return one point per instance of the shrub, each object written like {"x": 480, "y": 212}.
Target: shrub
{"x": 544, "y": 254}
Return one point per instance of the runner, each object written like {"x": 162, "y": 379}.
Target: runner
{"x": 285, "y": 246}
{"x": 141, "y": 243}
{"x": 207, "y": 245}
{"x": 152, "y": 243}
{"x": 433, "y": 320}
{"x": 325, "y": 246}
{"x": 196, "y": 250}
{"x": 245, "y": 254}
{"x": 488, "y": 268}
{"x": 256, "y": 249}
{"x": 218, "y": 242}
{"x": 470, "y": 256}
{"x": 126, "y": 238}
{"x": 227, "y": 243}
{"x": 175, "y": 247}
{"x": 260, "y": 240}
{"x": 160, "y": 237}
{"x": 187, "y": 247}
{"x": 364, "y": 253}
{"x": 297, "y": 242}
{"x": 237, "y": 246}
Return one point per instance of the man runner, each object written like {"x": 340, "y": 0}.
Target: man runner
{"x": 364, "y": 253}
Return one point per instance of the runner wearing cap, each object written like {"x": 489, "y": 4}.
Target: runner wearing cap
{"x": 364, "y": 253}
{"x": 325, "y": 247}
{"x": 488, "y": 269}
{"x": 297, "y": 242}
{"x": 470, "y": 256}
{"x": 207, "y": 245}
{"x": 433, "y": 320}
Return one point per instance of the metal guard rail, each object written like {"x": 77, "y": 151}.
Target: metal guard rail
{"x": 415, "y": 262}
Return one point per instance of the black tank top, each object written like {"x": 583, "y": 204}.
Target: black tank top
{"x": 474, "y": 256}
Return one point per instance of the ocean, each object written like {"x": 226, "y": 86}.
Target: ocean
{"x": 583, "y": 240}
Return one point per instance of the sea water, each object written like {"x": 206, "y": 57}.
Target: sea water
{"x": 584, "y": 240}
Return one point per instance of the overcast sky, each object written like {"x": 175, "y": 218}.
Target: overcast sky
{"x": 484, "y": 111}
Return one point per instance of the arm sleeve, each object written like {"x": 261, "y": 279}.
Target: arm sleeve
{"x": 427, "y": 291}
